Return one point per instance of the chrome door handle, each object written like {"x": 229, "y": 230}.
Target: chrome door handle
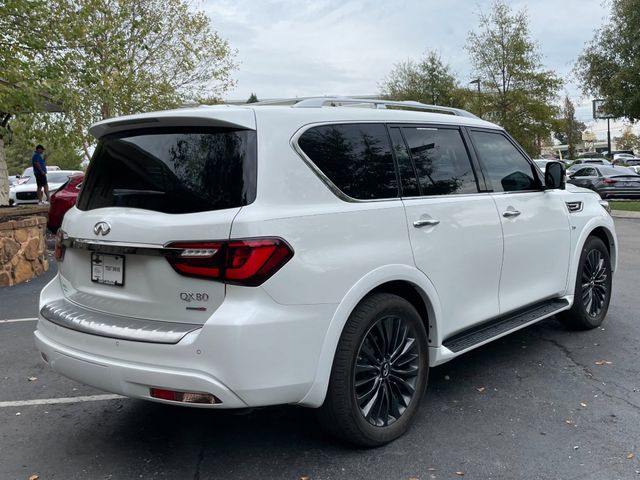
{"x": 425, "y": 222}
{"x": 511, "y": 213}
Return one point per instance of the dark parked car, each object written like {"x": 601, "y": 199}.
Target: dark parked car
{"x": 607, "y": 181}
{"x": 63, "y": 199}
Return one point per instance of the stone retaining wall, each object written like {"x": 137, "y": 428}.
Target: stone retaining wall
{"x": 23, "y": 250}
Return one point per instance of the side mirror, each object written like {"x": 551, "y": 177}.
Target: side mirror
{"x": 554, "y": 176}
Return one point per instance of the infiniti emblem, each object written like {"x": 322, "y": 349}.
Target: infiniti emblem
{"x": 101, "y": 228}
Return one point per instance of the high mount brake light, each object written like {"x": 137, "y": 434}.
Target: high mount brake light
{"x": 249, "y": 262}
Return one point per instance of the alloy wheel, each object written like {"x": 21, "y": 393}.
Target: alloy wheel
{"x": 594, "y": 283}
{"x": 386, "y": 371}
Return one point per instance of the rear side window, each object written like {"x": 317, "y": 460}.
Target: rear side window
{"x": 441, "y": 160}
{"x": 356, "y": 158}
{"x": 507, "y": 168}
{"x": 177, "y": 170}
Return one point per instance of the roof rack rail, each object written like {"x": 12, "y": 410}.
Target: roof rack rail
{"x": 317, "y": 102}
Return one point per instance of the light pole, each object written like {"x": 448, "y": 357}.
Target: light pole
{"x": 477, "y": 82}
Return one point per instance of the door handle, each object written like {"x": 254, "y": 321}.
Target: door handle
{"x": 511, "y": 213}
{"x": 426, "y": 222}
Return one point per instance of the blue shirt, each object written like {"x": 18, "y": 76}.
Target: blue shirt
{"x": 37, "y": 158}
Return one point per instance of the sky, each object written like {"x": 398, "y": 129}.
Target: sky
{"x": 290, "y": 48}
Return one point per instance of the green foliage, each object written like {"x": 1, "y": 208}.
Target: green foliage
{"x": 628, "y": 140}
{"x": 609, "y": 67}
{"x": 516, "y": 92}
{"x": 133, "y": 56}
{"x": 567, "y": 130}
{"x": 428, "y": 81}
{"x": 62, "y": 146}
{"x": 253, "y": 98}
{"x": 99, "y": 59}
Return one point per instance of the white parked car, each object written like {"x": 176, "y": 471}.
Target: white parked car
{"x": 25, "y": 192}
{"x": 243, "y": 256}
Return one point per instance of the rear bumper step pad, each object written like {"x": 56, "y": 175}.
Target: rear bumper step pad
{"x": 68, "y": 315}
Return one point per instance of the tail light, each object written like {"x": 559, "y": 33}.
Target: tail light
{"x": 247, "y": 262}
{"x": 609, "y": 181}
{"x": 60, "y": 248}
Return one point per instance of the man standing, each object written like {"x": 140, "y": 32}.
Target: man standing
{"x": 40, "y": 172}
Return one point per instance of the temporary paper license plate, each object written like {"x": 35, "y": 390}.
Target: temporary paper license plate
{"x": 107, "y": 269}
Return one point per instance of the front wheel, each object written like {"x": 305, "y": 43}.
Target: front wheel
{"x": 593, "y": 288}
{"x": 379, "y": 372}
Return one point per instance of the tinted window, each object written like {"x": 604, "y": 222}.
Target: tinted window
{"x": 508, "y": 170}
{"x": 355, "y": 157}
{"x": 441, "y": 161}
{"x": 408, "y": 178}
{"x": 172, "y": 170}
{"x": 57, "y": 177}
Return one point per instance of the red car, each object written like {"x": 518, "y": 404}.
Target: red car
{"x": 63, "y": 199}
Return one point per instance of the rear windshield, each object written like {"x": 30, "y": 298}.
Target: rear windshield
{"x": 176, "y": 170}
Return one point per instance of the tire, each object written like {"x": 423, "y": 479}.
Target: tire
{"x": 593, "y": 288}
{"x": 373, "y": 395}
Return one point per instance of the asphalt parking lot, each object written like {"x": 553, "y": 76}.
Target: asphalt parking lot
{"x": 543, "y": 403}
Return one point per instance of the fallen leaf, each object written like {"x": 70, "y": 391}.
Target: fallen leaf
{"x": 431, "y": 469}
{"x": 460, "y": 474}
{"x": 480, "y": 389}
{"x": 32, "y": 379}
{"x": 603, "y": 362}
{"x": 582, "y": 404}
{"x": 630, "y": 456}
{"x": 569, "y": 422}
{"x": 34, "y": 477}
{"x": 18, "y": 414}
{"x": 304, "y": 478}
{"x": 576, "y": 447}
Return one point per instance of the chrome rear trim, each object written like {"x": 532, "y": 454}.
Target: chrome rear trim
{"x": 120, "y": 248}
{"x": 68, "y": 315}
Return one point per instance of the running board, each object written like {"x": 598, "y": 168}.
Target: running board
{"x": 498, "y": 326}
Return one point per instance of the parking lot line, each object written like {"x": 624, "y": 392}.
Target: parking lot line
{"x": 52, "y": 401}
{"x": 15, "y": 320}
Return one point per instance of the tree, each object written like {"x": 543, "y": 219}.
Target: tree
{"x": 25, "y": 76}
{"x": 628, "y": 140}
{"x": 609, "y": 66}
{"x": 568, "y": 131}
{"x": 253, "y": 98}
{"x": 429, "y": 81}
{"x": 132, "y": 56}
{"x": 517, "y": 93}
{"x": 102, "y": 59}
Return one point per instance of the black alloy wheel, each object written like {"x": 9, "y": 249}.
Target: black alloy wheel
{"x": 386, "y": 371}
{"x": 595, "y": 291}
{"x": 592, "y": 292}
{"x": 379, "y": 372}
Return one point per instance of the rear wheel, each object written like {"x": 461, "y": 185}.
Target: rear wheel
{"x": 379, "y": 372}
{"x": 593, "y": 288}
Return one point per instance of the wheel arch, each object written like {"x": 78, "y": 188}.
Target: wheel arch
{"x": 402, "y": 280}
{"x": 605, "y": 232}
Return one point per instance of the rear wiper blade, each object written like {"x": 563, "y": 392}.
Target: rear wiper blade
{"x": 123, "y": 192}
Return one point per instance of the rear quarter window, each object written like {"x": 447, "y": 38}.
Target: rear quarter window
{"x": 355, "y": 157}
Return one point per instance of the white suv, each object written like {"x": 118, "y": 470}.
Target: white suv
{"x": 321, "y": 253}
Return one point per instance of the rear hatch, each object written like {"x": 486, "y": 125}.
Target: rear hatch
{"x": 147, "y": 190}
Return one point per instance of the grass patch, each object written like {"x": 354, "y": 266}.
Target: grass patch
{"x": 626, "y": 206}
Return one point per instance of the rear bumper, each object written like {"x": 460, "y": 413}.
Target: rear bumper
{"x": 251, "y": 352}
{"x": 619, "y": 192}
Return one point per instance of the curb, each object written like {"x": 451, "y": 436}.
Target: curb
{"x": 625, "y": 214}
